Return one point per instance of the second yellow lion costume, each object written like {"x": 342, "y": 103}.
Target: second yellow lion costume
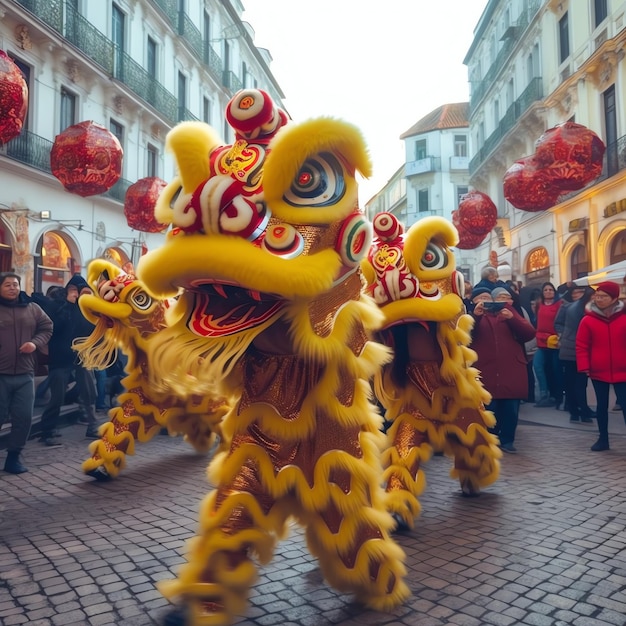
{"x": 432, "y": 396}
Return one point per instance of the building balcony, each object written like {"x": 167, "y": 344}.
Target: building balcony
{"x": 480, "y": 88}
{"x": 184, "y": 115}
{"x": 422, "y": 166}
{"x": 459, "y": 164}
{"x": 31, "y": 150}
{"x": 532, "y": 93}
{"x": 118, "y": 191}
{"x": 212, "y": 61}
{"x": 230, "y": 81}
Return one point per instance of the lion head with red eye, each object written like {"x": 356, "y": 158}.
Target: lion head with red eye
{"x": 271, "y": 219}
{"x": 412, "y": 276}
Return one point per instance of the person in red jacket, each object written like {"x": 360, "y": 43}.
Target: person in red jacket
{"x": 601, "y": 353}
{"x": 498, "y": 338}
{"x": 546, "y": 359}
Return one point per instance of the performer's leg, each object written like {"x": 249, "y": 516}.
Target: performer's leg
{"x": 236, "y": 521}
{"x": 402, "y": 476}
{"x": 474, "y": 449}
{"x": 117, "y": 436}
{"x": 357, "y": 556}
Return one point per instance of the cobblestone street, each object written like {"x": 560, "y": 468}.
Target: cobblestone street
{"x": 545, "y": 545}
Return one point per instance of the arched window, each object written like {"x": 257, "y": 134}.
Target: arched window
{"x": 618, "y": 247}
{"x": 56, "y": 265}
{"x": 537, "y": 267}
{"x": 579, "y": 263}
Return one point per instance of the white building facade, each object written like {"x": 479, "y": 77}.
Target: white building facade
{"x": 534, "y": 64}
{"x": 137, "y": 67}
{"x": 435, "y": 174}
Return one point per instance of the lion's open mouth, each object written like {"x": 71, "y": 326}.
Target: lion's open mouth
{"x": 221, "y": 309}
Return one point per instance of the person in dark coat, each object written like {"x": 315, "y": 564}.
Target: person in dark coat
{"x": 498, "y": 338}
{"x": 24, "y": 328}
{"x": 566, "y": 324}
{"x": 489, "y": 279}
{"x": 601, "y": 355}
{"x": 69, "y": 324}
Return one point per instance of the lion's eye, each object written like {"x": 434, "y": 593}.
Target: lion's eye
{"x": 320, "y": 182}
{"x": 434, "y": 258}
{"x": 140, "y": 299}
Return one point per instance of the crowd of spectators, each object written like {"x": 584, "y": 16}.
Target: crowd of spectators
{"x": 562, "y": 337}
{"x": 36, "y": 336}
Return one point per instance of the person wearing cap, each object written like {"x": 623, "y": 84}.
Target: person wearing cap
{"x": 600, "y": 353}
{"x": 69, "y": 324}
{"x": 566, "y": 323}
{"x": 498, "y": 339}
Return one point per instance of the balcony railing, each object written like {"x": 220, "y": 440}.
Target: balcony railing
{"x": 145, "y": 86}
{"x": 188, "y": 31}
{"x": 505, "y": 52}
{"x": 212, "y": 61}
{"x": 116, "y": 63}
{"x": 422, "y": 166}
{"x": 48, "y": 11}
{"x": 459, "y": 163}
{"x": 616, "y": 156}
{"x": 30, "y": 149}
{"x": 118, "y": 191}
{"x": 169, "y": 9}
{"x": 89, "y": 40}
{"x": 532, "y": 93}
{"x": 230, "y": 81}
{"x": 184, "y": 115}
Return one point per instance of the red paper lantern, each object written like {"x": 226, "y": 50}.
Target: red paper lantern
{"x": 467, "y": 240}
{"x": 477, "y": 214}
{"x": 87, "y": 159}
{"x": 528, "y": 187}
{"x": 572, "y": 155}
{"x": 139, "y": 203}
{"x": 13, "y": 99}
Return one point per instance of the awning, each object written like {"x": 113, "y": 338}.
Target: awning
{"x": 615, "y": 272}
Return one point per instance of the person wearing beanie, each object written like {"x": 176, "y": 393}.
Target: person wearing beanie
{"x": 600, "y": 353}
{"x": 80, "y": 283}
{"x": 498, "y": 339}
{"x": 24, "y": 328}
{"x": 69, "y": 324}
{"x": 566, "y": 325}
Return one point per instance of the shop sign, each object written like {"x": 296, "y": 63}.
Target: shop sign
{"x": 615, "y": 207}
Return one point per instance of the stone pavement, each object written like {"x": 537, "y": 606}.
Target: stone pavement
{"x": 545, "y": 545}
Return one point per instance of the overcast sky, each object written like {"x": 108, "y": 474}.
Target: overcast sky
{"x": 379, "y": 65}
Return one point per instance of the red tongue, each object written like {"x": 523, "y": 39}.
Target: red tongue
{"x": 215, "y": 316}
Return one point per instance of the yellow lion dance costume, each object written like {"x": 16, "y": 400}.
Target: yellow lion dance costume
{"x": 126, "y": 318}
{"x": 265, "y": 252}
{"x": 432, "y": 396}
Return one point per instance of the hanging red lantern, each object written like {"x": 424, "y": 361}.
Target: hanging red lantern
{"x": 13, "y": 99}
{"x": 467, "y": 240}
{"x": 477, "y": 213}
{"x": 139, "y": 203}
{"x": 571, "y": 154}
{"x": 528, "y": 187}
{"x": 87, "y": 159}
